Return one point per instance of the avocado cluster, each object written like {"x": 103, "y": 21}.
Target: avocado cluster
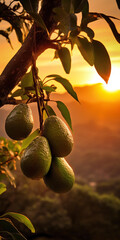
{"x": 60, "y": 177}
{"x": 44, "y": 157}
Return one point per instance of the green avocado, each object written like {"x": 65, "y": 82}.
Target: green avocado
{"x": 19, "y": 122}
{"x": 36, "y": 159}
{"x": 60, "y": 177}
{"x": 59, "y": 136}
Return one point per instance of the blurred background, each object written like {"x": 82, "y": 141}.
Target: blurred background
{"x": 91, "y": 210}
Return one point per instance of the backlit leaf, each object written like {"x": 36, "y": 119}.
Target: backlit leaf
{"x": 21, "y": 218}
{"x": 65, "y": 57}
{"x": 6, "y": 225}
{"x": 18, "y": 92}
{"x": 29, "y": 139}
{"x": 50, "y": 110}
{"x": 65, "y": 83}
{"x": 48, "y": 89}
{"x": 65, "y": 112}
{"x": 86, "y": 49}
{"x": 27, "y": 80}
{"x": 102, "y": 61}
{"x": 2, "y": 188}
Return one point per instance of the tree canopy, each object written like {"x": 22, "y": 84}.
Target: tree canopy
{"x": 35, "y": 22}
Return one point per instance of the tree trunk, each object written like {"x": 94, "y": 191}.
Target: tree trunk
{"x": 37, "y": 41}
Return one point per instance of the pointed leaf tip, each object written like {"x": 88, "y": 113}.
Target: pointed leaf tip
{"x": 21, "y": 218}
{"x": 102, "y": 61}
{"x": 66, "y": 84}
{"x": 2, "y": 188}
{"x": 65, "y": 112}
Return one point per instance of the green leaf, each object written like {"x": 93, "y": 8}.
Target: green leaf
{"x": 65, "y": 83}
{"x": 50, "y": 110}
{"x": 67, "y": 6}
{"x": 48, "y": 89}
{"x": 39, "y": 21}
{"x": 7, "y": 225}
{"x": 65, "y": 57}
{"x": 2, "y": 188}
{"x": 27, "y": 80}
{"x": 86, "y": 49}
{"x": 65, "y": 112}
{"x": 102, "y": 61}
{"x": 78, "y": 5}
{"x": 30, "y": 5}
{"x": 29, "y": 139}
{"x": 89, "y": 32}
{"x": 24, "y": 97}
{"x": 18, "y": 92}
{"x": 21, "y": 218}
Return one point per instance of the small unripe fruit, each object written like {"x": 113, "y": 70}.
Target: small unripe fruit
{"x": 19, "y": 122}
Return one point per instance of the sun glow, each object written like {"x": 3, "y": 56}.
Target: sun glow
{"x": 114, "y": 81}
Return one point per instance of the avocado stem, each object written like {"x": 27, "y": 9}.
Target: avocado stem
{"x": 39, "y": 102}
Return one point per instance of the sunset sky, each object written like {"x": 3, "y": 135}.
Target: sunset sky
{"x": 81, "y": 73}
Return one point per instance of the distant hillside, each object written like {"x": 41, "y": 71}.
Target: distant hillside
{"x": 96, "y": 131}
{"x": 91, "y": 93}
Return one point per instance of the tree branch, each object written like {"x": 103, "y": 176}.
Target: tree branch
{"x": 19, "y": 64}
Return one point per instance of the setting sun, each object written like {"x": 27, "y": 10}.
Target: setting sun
{"x": 114, "y": 81}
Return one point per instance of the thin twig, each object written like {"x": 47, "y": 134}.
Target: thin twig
{"x": 37, "y": 93}
{"x": 9, "y": 160}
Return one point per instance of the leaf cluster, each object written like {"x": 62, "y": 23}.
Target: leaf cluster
{"x": 7, "y": 228}
{"x": 9, "y": 154}
{"x": 16, "y": 18}
{"x": 93, "y": 51}
{"x": 68, "y": 31}
{"x": 27, "y": 92}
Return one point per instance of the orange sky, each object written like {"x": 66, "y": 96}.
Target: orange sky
{"x": 81, "y": 73}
